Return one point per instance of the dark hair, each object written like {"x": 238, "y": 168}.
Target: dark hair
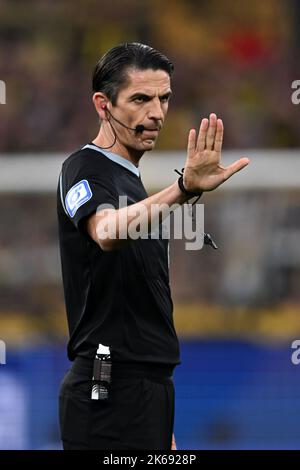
{"x": 110, "y": 73}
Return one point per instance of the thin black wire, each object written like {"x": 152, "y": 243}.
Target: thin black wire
{"x": 207, "y": 237}
{"x": 115, "y": 137}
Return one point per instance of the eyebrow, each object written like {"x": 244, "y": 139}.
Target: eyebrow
{"x": 148, "y": 97}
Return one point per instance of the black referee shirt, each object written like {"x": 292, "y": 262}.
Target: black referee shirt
{"x": 119, "y": 298}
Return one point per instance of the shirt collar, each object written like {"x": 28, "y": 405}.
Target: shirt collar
{"x": 115, "y": 158}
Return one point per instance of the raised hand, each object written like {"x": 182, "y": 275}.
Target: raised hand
{"x": 203, "y": 171}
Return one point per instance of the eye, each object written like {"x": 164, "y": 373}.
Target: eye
{"x": 165, "y": 99}
{"x": 139, "y": 100}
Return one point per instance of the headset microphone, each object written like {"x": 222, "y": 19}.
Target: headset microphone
{"x": 138, "y": 129}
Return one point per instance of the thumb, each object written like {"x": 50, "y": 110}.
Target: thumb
{"x": 235, "y": 167}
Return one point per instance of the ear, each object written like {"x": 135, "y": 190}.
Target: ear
{"x": 100, "y": 101}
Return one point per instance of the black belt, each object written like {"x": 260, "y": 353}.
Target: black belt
{"x": 123, "y": 370}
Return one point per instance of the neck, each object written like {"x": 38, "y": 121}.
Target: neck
{"x": 106, "y": 137}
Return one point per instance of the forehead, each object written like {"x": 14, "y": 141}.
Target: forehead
{"x": 147, "y": 81}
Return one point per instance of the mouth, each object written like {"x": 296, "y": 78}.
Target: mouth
{"x": 149, "y": 131}
{"x": 149, "y": 135}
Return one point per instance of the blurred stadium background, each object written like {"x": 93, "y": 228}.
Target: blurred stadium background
{"x": 236, "y": 309}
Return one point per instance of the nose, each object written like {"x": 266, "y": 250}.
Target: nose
{"x": 155, "y": 112}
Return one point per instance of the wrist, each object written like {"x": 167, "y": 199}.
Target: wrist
{"x": 188, "y": 194}
{"x": 180, "y": 197}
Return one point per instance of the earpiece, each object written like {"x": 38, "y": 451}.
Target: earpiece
{"x": 103, "y": 106}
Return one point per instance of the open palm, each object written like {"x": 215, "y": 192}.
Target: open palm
{"x": 203, "y": 171}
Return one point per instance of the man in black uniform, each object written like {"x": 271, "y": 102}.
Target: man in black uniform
{"x": 116, "y": 288}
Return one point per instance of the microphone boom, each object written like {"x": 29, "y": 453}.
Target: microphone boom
{"x": 139, "y": 128}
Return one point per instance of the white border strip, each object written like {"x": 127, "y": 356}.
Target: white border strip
{"x": 268, "y": 169}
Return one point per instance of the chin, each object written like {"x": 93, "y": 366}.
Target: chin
{"x": 149, "y": 144}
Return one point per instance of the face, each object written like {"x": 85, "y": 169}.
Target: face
{"x": 144, "y": 100}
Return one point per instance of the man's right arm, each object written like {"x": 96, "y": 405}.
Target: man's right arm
{"x": 153, "y": 208}
{"x": 202, "y": 172}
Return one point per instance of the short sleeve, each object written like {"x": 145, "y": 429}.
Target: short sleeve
{"x": 85, "y": 184}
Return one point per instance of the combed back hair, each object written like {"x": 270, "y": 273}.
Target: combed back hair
{"x": 111, "y": 71}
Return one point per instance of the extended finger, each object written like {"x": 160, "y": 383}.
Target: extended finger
{"x": 219, "y": 136}
{"x": 191, "y": 142}
{"x": 235, "y": 167}
{"x": 202, "y": 135}
{"x": 210, "y": 136}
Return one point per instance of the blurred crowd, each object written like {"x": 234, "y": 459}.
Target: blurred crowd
{"x": 237, "y": 387}
{"x": 237, "y": 61}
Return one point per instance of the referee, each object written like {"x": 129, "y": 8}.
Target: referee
{"x": 116, "y": 288}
